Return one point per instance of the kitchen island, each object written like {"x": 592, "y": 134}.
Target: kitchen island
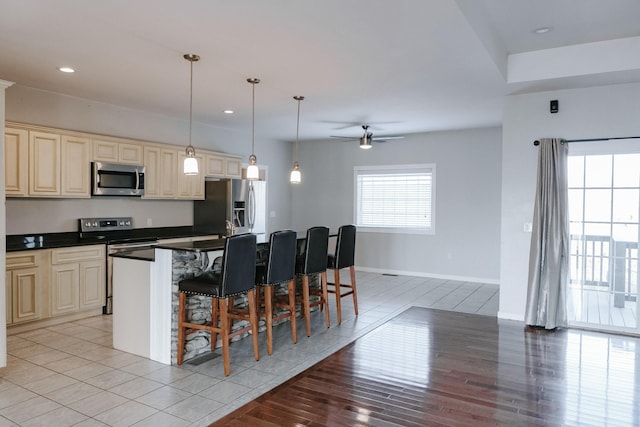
{"x": 145, "y": 309}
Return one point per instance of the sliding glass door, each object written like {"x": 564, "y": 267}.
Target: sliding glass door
{"x": 604, "y": 212}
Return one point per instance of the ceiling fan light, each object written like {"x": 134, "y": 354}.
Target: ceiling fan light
{"x": 296, "y": 176}
{"x": 365, "y": 143}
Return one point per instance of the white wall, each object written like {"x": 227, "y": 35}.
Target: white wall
{"x": 467, "y": 241}
{"x": 598, "y": 112}
{"x": 3, "y": 248}
{"x": 27, "y": 105}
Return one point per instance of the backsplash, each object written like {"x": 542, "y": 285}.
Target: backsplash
{"x": 25, "y": 216}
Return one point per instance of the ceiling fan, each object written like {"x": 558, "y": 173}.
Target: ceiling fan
{"x": 367, "y": 138}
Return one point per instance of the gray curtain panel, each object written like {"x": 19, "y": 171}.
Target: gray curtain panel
{"x": 549, "y": 255}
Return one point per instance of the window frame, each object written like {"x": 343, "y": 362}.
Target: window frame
{"x": 395, "y": 169}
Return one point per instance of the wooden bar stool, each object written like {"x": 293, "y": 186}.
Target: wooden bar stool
{"x": 313, "y": 260}
{"x": 235, "y": 277}
{"x": 279, "y": 269}
{"x": 343, "y": 258}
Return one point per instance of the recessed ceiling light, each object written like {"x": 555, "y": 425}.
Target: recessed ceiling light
{"x": 542, "y": 30}
{"x": 66, "y": 69}
{"x": 228, "y": 111}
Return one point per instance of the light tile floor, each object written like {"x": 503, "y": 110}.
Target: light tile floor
{"x": 69, "y": 375}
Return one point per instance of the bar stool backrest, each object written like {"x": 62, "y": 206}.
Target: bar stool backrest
{"x": 316, "y": 249}
{"x": 238, "y": 264}
{"x": 281, "y": 265}
{"x": 346, "y": 246}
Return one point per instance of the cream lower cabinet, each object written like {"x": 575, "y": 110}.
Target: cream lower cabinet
{"x": 77, "y": 279}
{"x": 24, "y": 291}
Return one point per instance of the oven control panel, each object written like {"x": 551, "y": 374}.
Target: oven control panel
{"x": 105, "y": 224}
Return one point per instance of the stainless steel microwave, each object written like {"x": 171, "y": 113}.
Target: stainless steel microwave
{"x": 111, "y": 179}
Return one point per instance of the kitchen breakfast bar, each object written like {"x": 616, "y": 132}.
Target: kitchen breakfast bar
{"x": 145, "y": 314}
{"x": 146, "y": 296}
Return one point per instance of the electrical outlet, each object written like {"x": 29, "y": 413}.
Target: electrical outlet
{"x": 149, "y": 222}
{"x": 528, "y": 227}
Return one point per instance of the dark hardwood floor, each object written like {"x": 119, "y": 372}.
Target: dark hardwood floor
{"x": 432, "y": 367}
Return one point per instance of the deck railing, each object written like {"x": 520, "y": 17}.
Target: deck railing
{"x": 601, "y": 262}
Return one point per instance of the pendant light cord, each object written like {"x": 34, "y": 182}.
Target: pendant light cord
{"x": 253, "y": 117}
{"x": 190, "y": 102}
{"x": 297, "y": 130}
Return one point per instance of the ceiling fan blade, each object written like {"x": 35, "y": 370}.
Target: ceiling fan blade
{"x": 386, "y": 138}
{"x": 349, "y": 138}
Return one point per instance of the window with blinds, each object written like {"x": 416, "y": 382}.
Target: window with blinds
{"x": 395, "y": 198}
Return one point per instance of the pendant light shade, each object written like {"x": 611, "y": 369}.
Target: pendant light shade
{"x": 190, "y": 166}
{"x": 253, "y": 172}
{"x": 296, "y": 176}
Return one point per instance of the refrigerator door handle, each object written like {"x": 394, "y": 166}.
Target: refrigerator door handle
{"x": 251, "y": 207}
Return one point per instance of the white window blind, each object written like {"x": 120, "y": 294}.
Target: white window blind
{"x": 395, "y": 197}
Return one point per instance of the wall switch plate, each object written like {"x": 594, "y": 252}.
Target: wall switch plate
{"x": 272, "y": 214}
{"x": 149, "y": 222}
{"x": 528, "y": 227}
{"x": 553, "y": 106}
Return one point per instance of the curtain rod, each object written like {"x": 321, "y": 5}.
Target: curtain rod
{"x": 537, "y": 142}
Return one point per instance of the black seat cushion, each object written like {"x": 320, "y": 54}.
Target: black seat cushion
{"x": 207, "y": 284}
{"x": 314, "y": 258}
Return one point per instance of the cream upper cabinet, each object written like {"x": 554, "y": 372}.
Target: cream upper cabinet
{"x": 44, "y": 164}
{"x": 233, "y": 169}
{"x": 190, "y": 187}
{"x": 118, "y": 152}
{"x": 168, "y": 173}
{"x": 214, "y": 165}
{"x": 160, "y": 172}
{"x": 16, "y": 157}
{"x": 75, "y": 178}
{"x": 152, "y": 173}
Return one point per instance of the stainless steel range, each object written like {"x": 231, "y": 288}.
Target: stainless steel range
{"x": 118, "y": 234}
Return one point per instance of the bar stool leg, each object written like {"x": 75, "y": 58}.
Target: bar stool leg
{"x": 268, "y": 308}
{"x": 224, "y": 325}
{"x": 325, "y": 297}
{"x": 336, "y": 283}
{"x": 291, "y": 286}
{"x": 305, "y": 303}
{"x": 181, "y": 315}
{"x": 352, "y": 271}
{"x": 214, "y": 323}
{"x": 253, "y": 319}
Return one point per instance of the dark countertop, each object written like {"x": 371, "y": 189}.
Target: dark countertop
{"x": 22, "y": 242}
{"x": 198, "y": 246}
{"x": 148, "y": 254}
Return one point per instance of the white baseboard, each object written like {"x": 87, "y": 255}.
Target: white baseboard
{"x": 511, "y": 316}
{"x": 429, "y": 275}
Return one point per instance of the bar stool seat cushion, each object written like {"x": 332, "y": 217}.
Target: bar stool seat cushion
{"x": 208, "y": 284}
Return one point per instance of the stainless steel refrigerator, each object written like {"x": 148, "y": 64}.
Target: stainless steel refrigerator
{"x": 241, "y": 202}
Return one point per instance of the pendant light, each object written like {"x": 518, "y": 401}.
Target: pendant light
{"x": 253, "y": 172}
{"x": 190, "y": 162}
{"x": 296, "y": 177}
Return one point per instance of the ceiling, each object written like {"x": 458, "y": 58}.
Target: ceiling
{"x": 402, "y": 66}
